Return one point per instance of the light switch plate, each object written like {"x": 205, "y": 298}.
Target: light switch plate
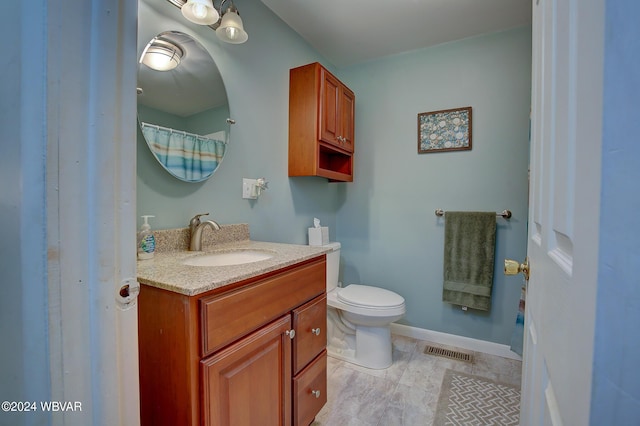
{"x": 247, "y": 188}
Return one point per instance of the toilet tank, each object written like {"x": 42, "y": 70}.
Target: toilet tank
{"x": 333, "y": 265}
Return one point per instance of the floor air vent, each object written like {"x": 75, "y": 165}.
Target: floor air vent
{"x": 447, "y": 353}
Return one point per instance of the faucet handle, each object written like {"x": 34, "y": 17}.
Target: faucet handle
{"x": 195, "y": 221}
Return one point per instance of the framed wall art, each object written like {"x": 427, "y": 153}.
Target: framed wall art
{"x": 445, "y": 130}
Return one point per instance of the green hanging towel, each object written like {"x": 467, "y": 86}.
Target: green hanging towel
{"x": 469, "y": 250}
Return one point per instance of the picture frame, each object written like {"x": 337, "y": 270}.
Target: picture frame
{"x": 444, "y": 130}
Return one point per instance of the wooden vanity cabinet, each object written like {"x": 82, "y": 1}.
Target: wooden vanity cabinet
{"x": 251, "y": 353}
{"x": 321, "y": 124}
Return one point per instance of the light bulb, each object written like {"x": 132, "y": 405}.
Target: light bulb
{"x": 232, "y": 33}
{"x": 199, "y": 11}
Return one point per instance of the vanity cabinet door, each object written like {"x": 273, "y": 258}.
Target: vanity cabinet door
{"x": 249, "y": 382}
{"x": 310, "y": 324}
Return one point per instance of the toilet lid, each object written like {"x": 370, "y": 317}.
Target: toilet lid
{"x": 364, "y": 295}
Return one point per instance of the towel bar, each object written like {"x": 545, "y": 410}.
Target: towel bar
{"x": 506, "y": 214}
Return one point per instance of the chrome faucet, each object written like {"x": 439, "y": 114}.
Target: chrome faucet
{"x": 196, "y": 227}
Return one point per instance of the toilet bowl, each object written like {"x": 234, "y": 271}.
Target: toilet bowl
{"x": 358, "y": 319}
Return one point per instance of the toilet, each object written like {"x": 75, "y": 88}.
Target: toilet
{"x": 358, "y": 318}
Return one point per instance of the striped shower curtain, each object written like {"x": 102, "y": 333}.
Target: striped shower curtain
{"x": 187, "y": 156}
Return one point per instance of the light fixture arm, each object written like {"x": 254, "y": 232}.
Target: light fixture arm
{"x": 220, "y": 9}
{"x": 232, "y": 8}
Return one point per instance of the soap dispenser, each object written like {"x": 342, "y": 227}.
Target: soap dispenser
{"x": 146, "y": 240}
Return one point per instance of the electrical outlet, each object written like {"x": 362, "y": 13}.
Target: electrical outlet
{"x": 248, "y": 192}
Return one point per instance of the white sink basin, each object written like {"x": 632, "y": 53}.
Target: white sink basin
{"x": 237, "y": 257}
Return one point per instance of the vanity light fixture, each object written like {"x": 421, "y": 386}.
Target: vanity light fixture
{"x": 161, "y": 55}
{"x": 226, "y": 22}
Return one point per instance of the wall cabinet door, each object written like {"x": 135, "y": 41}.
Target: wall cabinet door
{"x": 347, "y": 117}
{"x": 249, "y": 382}
{"x": 337, "y": 106}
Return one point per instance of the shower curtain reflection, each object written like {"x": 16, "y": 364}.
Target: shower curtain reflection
{"x": 186, "y": 156}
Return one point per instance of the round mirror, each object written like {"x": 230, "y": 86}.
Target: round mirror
{"x": 182, "y": 106}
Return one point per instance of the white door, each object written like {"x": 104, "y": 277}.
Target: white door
{"x": 564, "y": 211}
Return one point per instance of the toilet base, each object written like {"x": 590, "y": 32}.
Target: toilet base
{"x": 371, "y": 348}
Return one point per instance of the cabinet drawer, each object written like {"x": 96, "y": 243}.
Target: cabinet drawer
{"x": 228, "y": 316}
{"x": 310, "y": 391}
{"x": 310, "y": 324}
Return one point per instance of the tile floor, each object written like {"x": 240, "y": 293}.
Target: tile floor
{"x": 405, "y": 393}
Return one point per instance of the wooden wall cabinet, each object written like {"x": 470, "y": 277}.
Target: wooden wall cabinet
{"x": 321, "y": 124}
{"x": 247, "y": 354}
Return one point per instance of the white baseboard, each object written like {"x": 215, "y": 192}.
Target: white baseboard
{"x": 461, "y": 342}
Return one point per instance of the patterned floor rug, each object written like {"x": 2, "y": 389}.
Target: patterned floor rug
{"x": 467, "y": 400}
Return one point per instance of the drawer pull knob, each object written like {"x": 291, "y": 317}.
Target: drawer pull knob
{"x": 316, "y": 331}
{"x": 316, "y": 393}
{"x": 290, "y": 333}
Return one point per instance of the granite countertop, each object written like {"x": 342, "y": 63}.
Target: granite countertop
{"x": 166, "y": 270}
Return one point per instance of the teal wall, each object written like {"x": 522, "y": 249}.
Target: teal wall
{"x": 384, "y": 219}
{"x": 155, "y": 116}
{"x": 209, "y": 121}
{"x": 386, "y": 222}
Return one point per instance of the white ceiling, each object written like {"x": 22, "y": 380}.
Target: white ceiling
{"x": 353, "y": 31}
